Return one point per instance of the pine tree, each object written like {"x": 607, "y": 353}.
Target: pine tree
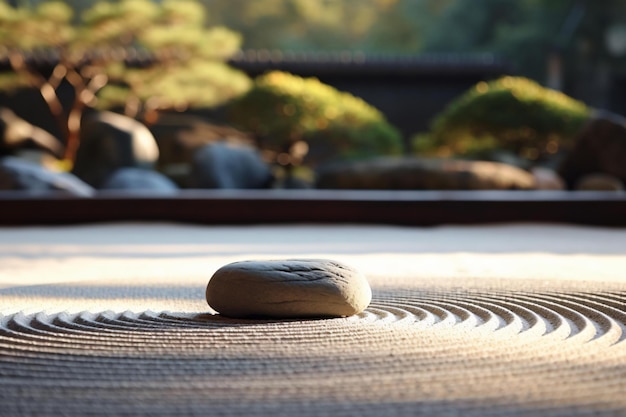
{"x": 143, "y": 56}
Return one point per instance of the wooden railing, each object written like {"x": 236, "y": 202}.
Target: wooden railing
{"x": 420, "y": 208}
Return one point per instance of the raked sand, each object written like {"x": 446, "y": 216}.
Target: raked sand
{"x": 520, "y": 319}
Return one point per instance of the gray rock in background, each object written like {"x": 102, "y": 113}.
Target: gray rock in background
{"x": 424, "y": 174}
{"x": 600, "y": 149}
{"x": 110, "y": 141}
{"x": 180, "y": 135}
{"x": 18, "y": 174}
{"x": 547, "y": 179}
{"x": 224, "y": 165}
{"x": 599, "y": 182}
{"x": 139, "y": 180}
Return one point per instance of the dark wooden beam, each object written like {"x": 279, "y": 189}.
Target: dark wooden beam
{"x": 420, "y": 208}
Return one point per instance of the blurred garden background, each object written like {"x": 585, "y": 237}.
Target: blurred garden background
{"x": 136, "y": 95}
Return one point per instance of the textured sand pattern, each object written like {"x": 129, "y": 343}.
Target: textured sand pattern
{"x": 111, "y": 320}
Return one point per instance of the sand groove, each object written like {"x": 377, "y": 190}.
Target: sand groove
{"x": 461, "y": 351}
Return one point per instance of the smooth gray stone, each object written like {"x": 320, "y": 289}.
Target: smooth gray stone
{"x": 110, "y": 141}
{"x": 599, "y": 182}
{"x": 20, "y": 174}
{"x": 139, "y": 180}
{"x": 599, "y": 148}
{"x": 408, "y": 173}
{"x": 293, "y": 288}
{"x": 230, "y": 166}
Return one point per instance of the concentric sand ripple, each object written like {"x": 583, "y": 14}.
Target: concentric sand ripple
{"x": 454, "y": 352}
{"x": 586, "y": 317}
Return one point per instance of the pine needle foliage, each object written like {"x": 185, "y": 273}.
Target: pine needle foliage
{"x": 139, "y": 55}
{"x": 283, "y": 109}
{"x": 510, "y": 113}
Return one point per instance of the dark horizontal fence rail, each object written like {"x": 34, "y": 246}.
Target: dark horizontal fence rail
{"x": 352, "y": 64}
{"x": 417, "y": 208}
{"x": 258, "y": 61}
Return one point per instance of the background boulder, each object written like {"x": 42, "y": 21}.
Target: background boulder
{"x": 139, "y": 180}
{"x": 599, "y": 182}
{"x": 224, "y": 165}
{"x": 18, "y": 174}
{"x": 424, "y": 174}
{"x": 110, "y": 141}
{"x": 600, "y": 149}
{"x": 180, "y": 135}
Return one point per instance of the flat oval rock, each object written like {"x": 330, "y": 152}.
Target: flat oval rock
{"x": 293, "y": 288}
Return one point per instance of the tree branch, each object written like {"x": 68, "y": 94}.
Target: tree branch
{"x": 45, "y": 87}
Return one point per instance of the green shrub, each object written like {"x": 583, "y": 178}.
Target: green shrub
{"x": 511, "y": 113}
{"x": 284, "y": 111}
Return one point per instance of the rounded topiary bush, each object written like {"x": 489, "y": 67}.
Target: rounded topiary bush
{"x": 288, "y": 113}
{"x": 511, "y": 113}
